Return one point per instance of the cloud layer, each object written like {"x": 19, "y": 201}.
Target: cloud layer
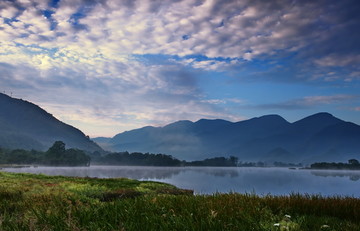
{"x": 139, "y": 62}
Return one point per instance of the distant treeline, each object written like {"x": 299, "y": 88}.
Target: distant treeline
{"x": 266, "y": 164}
{"x": 57, "y": 155}
{"x": 147, "y": 159}
{"x": 352, "y": 164}
{"x": 232, "y": 161}
{"x": 136, "y": 158}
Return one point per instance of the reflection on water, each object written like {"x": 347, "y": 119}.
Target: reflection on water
{"x": 132, "y": 172}
{"x": 208, "y": 180}
{"x": 352, "y": 175}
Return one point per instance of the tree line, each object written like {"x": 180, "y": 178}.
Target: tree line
{"x": 56, "y": 155}
{"x": 135, "y": 158}
{"x": 353, "y": 164}
{"x": 148, "y": 159}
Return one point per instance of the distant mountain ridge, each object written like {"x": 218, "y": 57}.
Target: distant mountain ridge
{"x": 319, "y": 137}
{"x": 25, "y": 125}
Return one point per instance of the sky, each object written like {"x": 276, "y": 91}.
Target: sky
{"x": 107, "y": 66}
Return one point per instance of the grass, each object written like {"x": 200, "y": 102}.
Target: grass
{"x": 39, "y": 202}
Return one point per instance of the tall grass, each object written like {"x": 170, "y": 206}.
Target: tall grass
{"x": 37, "y": 202}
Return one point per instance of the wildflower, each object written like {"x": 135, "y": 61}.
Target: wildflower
{"x": 213, "y": 213}
{"x": 277, "y": 224}
{"x": 287, "y": 218}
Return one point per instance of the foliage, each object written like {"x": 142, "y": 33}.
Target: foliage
{"x": 282, "y": 164}
{"x": 216, "y": 161}
{"x": 39, "y": 202}
{"x": 55, "y": 156}
{"x": 137, "y": 158}
{"x": 140, "y": 159}
{"x": 352, "y": 164}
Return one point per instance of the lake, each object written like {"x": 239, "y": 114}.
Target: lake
{"x": 208, "y": 180}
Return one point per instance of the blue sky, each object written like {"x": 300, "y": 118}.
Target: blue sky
{"x": 106, "y": 66}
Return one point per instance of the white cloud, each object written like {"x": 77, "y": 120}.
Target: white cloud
{"x": 338, "y": 60}
{"x": 224, "y": 101}
{"x": 7, "y": 10}
{"x": 213, "y": 28}
{"x": 315, "y": 100}
{"x": 309, "y": 102}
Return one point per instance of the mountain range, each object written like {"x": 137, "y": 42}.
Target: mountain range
{"x": 25, "y": 125}
{"x": 269, "y": 138}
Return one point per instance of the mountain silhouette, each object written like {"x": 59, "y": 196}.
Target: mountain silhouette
{"x": 319, "y": 137}
{"x": 27, "y": 126}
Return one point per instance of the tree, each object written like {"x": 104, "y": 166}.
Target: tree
{"x": 76, "y": 157}
{"x": 234, "y": 161}
{"x": 58, "y": 155}
{"x": 353, "y": 162}
{"x": 57, "y": 150}
{"x": 55, "y": 154}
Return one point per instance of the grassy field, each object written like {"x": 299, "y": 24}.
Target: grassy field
{"x": 39, "y": 202}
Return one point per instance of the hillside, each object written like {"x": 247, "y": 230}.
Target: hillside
{"x": 27, "y": 126}
{"x": 319, "y": 137}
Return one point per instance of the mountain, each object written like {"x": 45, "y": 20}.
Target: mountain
{"x": 25, "y": 125}
{"x": 269, "y": 138}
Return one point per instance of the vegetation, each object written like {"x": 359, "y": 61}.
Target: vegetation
{"x": 57, "y": 155}
{"x": 352, "y": 164}
{"x": 136, "y": 158}
{"x": 232, "y": 161}
{"x": 38, "y": 202}
{"x": 140, "y": 159}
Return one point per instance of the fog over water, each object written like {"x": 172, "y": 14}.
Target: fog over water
{"x": 208, "y": 180}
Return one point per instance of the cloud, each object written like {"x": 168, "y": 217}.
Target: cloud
{"x": 86, "y": 54}
{"x": 224, "y": 101}
{"x": 150, "y": 95}
{"x": 309, "y": 102}
{"x": 338, "y": 60}
{"x": 229, "y": 29}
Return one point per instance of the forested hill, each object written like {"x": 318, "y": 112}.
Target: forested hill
{"x": 269, "y": 138}
{"x": 27, "y": 126}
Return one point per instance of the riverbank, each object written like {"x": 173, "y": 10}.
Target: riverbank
{"x": 39, "y": 202}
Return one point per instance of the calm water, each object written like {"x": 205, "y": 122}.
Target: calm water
{"x": 208, "y": 180}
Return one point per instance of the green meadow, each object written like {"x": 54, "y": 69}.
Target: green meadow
{"x": 39, "y": 202}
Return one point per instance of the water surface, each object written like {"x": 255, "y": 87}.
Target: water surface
{"x": 208, "y": 180}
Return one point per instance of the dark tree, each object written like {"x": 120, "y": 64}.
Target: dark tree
{"x": 58, "y": 149}
{"x": 353, "y": 161}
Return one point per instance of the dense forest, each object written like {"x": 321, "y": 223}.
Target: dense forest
{"x": 352, "y": 164}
